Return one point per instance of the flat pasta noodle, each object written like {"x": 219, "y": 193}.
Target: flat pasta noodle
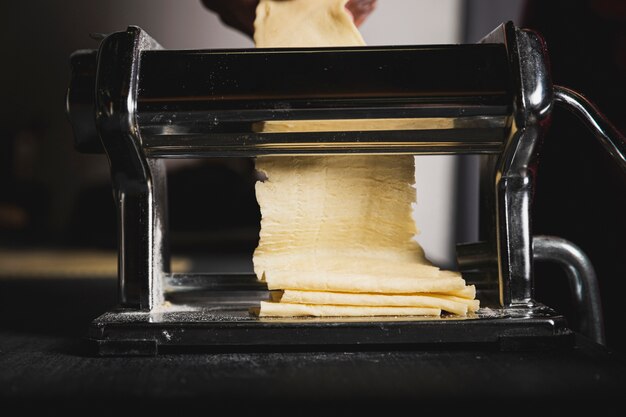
{"x": 468, "y": 292}
{"x": 368, "y": 299}
{"x": 354, "y": 282}
{"x": 269, "y": 309}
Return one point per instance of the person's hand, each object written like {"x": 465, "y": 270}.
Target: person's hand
{"x": 240, "y": 14}
{"x": 360, "y": 9}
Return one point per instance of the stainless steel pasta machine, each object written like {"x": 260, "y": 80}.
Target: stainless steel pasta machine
{"x": 141, "y": 104}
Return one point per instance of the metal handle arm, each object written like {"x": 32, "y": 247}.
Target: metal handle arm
{"x": 611, "y": 138}
{"x": 582, "y": 278}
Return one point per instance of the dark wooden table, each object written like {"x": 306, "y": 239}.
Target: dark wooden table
{"x": 45, "y": 363}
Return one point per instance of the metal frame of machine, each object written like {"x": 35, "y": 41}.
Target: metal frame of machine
{"x": 141, "y": 104}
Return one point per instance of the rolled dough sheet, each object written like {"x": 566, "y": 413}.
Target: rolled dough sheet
{"x": 472, "y": 305}
{"x": 343, "y": 223}
{"x": 360, "y": 282}
{"x": 378, "y": 300}
{"x": 269, "y": 309}
{"x": 468, "y": 292}
{"x": 351, "y": 125}
{"x": 302, "y": 23}
{"x": 339, "y": 223}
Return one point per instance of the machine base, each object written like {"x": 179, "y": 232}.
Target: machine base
{"x": 219, "y": 319}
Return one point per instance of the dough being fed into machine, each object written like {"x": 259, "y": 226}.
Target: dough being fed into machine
{"x": 304, "y": 23}
{"x": 337, "y": 231}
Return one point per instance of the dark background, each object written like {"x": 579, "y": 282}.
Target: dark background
{"x": 581, "y": 192}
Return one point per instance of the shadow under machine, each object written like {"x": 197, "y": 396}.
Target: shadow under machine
{"x": 141, "y": 104}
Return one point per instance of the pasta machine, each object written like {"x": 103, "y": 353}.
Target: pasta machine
{"x": 140, "y": 104}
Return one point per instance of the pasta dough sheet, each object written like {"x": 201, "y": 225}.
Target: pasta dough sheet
{"x": 467, "y": 292}
{"x": 361, "y": 282}
{"x": 343, "y": 223}
{"x": 351, "y": 125}
{"x": 339, "y": 229}
{"x": 269, "y": 309}
{"x": 302, "y": 23}
{"x": 381, "y": 300}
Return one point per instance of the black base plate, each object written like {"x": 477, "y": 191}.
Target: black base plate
{"x": 226, "y": 324}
